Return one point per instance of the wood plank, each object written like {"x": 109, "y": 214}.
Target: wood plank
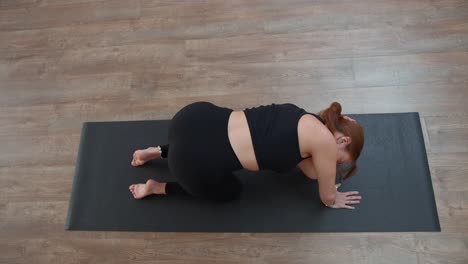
{"x": 33, "y": 218}
{"x": 448, "y": 172}
{"x": 383, "y": 249}
{"x": 53, "y": 15}
{"x": 39, "y": 150}
{"x": 95, "y": 60}
{"x": 13, "y": 4}
{"x": 36, "y": 42}
{"x": 36, "y": 183}
{"x": 242, "y": 77}
{"x": 147, "y": 251}
{"x": 437, "y": 68}
{"x": 122, "y": 58}
{"x": 26, "y": 42}
{"x": 448, "y": 134}
{"x": 28, "y": 66}
{"x": 449, "y": 166}
{"x": 364, "y": 14}
{"x": 328, "y": 44}
{"x": 441, "y": 248}
{"x": 67, "y": 89}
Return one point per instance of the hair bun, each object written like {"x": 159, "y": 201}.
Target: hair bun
{"x": 336, "y": 107}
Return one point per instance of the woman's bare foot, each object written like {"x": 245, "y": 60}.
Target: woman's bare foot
{"x": 151, "y": 187}
{"x": 141, "y": 156}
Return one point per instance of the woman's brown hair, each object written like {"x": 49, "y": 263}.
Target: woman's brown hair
{"x": 336, "y": 122}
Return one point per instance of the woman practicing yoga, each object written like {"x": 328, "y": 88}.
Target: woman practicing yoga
{"x": 208, "y": 142}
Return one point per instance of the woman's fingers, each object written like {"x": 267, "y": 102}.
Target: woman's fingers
{"x": 353, "y": 198}
{"x": 346, "y": 199}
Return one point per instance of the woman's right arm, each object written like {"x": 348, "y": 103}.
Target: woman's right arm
{"x": 324, "y": 159}
{"x": 324, "y": 162}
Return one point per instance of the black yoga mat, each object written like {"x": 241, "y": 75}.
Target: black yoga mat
{"x": 393, "y": 178}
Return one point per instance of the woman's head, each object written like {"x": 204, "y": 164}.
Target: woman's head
{"x": 349, "y": 136}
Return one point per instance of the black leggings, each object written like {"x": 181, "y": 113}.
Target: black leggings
{"x": 201, "y": 157}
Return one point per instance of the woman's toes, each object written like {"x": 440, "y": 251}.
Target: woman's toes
{"x": 137, "y": 159}
{"x": 134, "y": 159}
{"x": 136, "y": 162}
{"x": 139, "y": 190}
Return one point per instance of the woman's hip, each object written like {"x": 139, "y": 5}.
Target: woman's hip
{"x": 199, "y": 121}
{"x": 198, "y": 136}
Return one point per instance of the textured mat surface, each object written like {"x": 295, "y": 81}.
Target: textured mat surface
{"x": 393, "y": 178}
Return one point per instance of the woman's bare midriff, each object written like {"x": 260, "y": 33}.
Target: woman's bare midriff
{"x": 241, "y": 140}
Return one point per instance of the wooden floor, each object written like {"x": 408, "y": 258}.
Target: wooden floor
{"x": 63, "y": 62}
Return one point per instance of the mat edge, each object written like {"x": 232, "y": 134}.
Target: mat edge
{"x": 68, "y": 223}
{"x": 428, "y": 171}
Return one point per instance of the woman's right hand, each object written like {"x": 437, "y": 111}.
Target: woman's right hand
{"x": 342, "y": 199}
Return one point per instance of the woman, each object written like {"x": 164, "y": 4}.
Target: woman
{"x": 208, "y": 142}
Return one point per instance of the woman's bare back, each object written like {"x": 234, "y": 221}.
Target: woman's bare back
{"x": 241, "y": 140}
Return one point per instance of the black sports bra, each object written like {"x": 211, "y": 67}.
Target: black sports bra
{"x": 274, "y": 133}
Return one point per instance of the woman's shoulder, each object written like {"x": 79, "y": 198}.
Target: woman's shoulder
{"x": 314, "y": 134}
